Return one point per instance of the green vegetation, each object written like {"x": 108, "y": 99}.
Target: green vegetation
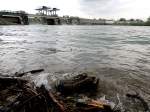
{"x": 133, "y": 22}
{"x": 147, "y": 23}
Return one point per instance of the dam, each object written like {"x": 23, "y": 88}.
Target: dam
{"x": 46, "y": 16}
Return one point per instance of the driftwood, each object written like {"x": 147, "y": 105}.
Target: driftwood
{"x": 50, "y": 98}
{"x": 28, "y": 98}
{"x": 11, "y": 80}
{"x": 93, "y": 106}
{"x": 32, "y": 72}
{"x": 137, "y": 96}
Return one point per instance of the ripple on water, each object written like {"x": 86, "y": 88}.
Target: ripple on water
{"x": 122, "y": 48}
{"x": 1, "y": 40}
{"x": 1, "y": 34}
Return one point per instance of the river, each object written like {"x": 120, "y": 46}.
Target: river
{"x": 118, "y": 54}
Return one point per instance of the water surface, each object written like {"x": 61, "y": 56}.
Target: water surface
{"x": 120, "y": 54}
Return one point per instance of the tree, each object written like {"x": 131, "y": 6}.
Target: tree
{"x": 122, "y": 19}
{"x": 132, "y": 20}
{"x": 148, "y": 21}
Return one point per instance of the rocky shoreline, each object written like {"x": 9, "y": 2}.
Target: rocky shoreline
{"x": 77, "y": 94}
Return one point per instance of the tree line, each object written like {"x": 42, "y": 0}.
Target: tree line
{"x": 134, "y": 22}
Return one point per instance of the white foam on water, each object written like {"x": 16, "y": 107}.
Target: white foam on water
{"x": 42, "y": 79}
{"x": 48, "y": 79}
{"x": 103, "y": 99}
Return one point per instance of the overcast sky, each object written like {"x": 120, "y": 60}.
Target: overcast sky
{"x": 111, "y": 9}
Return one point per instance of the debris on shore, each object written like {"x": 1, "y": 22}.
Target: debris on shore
{"x": 20, "y": 95}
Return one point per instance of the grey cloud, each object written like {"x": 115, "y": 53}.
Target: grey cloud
{"x": 100, "y": 7}
{"x": 94, "y": 0}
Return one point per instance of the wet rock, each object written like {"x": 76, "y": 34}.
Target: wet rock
{"x": 140, "y": 100}
{"x": 32, "y": 72}
{"x": 79, "y": 83}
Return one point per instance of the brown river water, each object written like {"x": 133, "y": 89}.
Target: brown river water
{"x": 118, "y": 55}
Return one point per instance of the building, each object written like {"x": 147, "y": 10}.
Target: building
{"x": 44, "y": 10}
{"x": 109, "y": 22}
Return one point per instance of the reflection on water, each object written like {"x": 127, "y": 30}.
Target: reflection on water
{"x": 118, "y": 53}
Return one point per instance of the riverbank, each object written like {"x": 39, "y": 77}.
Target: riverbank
{"x": 17, "y": 94}
{"x": 75, "y": 21}
{"x": 22, "y": 95}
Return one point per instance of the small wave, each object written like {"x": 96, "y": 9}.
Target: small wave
{"x": 1, "y": 34}
{"x": 41, "y": 79}
{"x": 49, "y": 51}
{"x": 13, "y": 34}
{"x": 9, "y": 34}
{"x": 137, "y": 42}
{"x": 53, "y": 50}
{"x": 1, "y": 40}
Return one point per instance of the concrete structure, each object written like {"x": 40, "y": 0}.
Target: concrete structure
{"x": 44, "y": 10}
{"x": 109, "y": 22}
{"x": 45, "y": 19}
{"x": 47, "y": 15}
{"x": 14, "y": 17}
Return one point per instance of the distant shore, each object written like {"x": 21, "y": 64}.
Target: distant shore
{"x": 66, "y": 20}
